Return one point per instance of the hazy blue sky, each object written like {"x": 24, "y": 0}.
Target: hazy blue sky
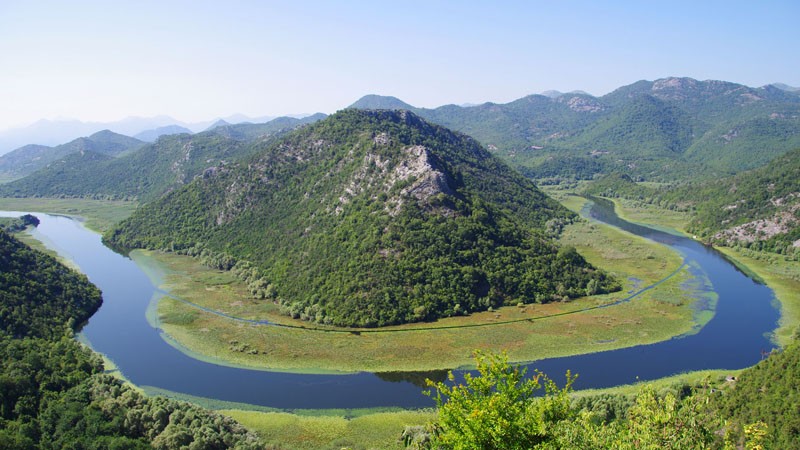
{"x": 197, "y": 60}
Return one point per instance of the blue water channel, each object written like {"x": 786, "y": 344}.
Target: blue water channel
{"x": 735, "y": 338}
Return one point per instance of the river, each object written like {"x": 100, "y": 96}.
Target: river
{"x": 734, "y": 338}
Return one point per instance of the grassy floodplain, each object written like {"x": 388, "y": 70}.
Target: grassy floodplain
{"x": 288, "y": 430}
{"x": 98, "y": 215}
{"x": 523, "y": 332}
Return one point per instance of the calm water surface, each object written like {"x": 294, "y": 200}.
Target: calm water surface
{"x": 734, "y": 338}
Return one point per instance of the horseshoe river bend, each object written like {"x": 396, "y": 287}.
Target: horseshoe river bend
{"x": 745, "y": 316}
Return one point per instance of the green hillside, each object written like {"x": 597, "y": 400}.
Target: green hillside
{"x": 26, "y": 274}
{"x": 372, "y": 218}
{"x": 149, "y": 172}
{"x": 759, "y": 208}
{"x": 672, "y": 128}
{"x": 30, "y": 158}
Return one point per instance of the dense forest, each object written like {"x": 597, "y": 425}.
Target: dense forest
{"x": 38, "y": 295}
{"x": 370, "y": 219}
{"x": 53, "y": 393}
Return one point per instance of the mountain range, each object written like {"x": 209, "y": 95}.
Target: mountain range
{"x": 30, "y": 158}
{"x": 150, "y": 170}
{"x": 658, "y": 130}
{"x": 56, "y": 132}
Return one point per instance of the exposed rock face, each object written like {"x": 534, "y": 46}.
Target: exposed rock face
{"x": 380, "y": 174}
{"x": 781, "y": 222}
{"x": 581, "y": 103}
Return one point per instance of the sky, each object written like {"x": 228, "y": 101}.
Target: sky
{"x": 198, "y": 60}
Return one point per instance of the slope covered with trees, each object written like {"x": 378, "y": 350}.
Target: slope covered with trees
{"x": 146, "y": 174}
{"x": 28, "y": 277}
{"x": 661, "y": 130}
{"x": 758, "y": 208}
{"x": 30, "y": 158}
{"x": 369, "y": 219}
{"x": 52, "y": 391}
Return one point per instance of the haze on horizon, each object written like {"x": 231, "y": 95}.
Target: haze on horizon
{"x": 197, "y": 61}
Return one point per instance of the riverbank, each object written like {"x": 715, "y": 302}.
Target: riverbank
{"x": 778, "y": 272}
{"x": 97, "y": 215}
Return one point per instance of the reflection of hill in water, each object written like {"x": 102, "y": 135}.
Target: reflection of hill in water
{"x": 415, "y": 378}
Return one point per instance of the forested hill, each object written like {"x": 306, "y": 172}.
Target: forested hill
{"x": 149, "y": 172}
{"x": 660, "y": 130}
{"x": 30, "y": 158}
{"x": 759, "y": 208}
{"x": 371, "y": 218}
{"x": 61, "y": 295}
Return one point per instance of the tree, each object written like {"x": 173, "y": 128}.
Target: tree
{"x": 498, "y": 408}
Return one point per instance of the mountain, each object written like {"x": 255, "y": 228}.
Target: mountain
{"x": 785, "y": 87}
{"x": 371, "y": 218}
{"x": 55, "y": 132}
{"x": 252, "y": 131}
{"x": 218, "y": 123}
{"x": 30, "y": 158}
{"x": 155, "y": 133}
{"x": 380, "y": 102}
{"x": 152, "y": 170}
{"x": 660, "y": 130}
{"x": 142, "y": 175}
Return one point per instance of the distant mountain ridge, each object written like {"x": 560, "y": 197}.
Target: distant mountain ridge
{"x": 786, "y": 87}
{"x": 155, "y": 133}
{"x": 56, "y": 132}
{"x": 371, "y": 218}
{"x": 30, "y": 158}
{"x": 152, "y": 169}
{"x": 654, "y": 129}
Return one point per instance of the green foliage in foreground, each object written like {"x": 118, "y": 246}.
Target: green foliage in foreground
{"x": 53, "y": 395}
{"x": 499, "y": 409}
{"x": 371, "y": 219}
{"x": 767, "y": 393}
